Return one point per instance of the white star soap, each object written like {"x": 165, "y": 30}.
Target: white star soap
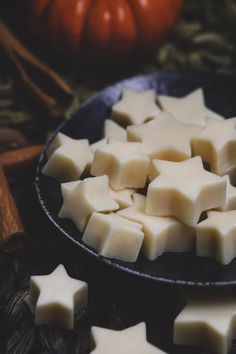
{"x": 188, "y": 109}
{"x": 123, "y": 162}
{"x": 114, "y": 130}
{"x": 164, "y": 138}
{"x": 123, "y": 197}
{"x": 216, "y": 236}
{"x": 135, "y": 107}
{"x": 216, "y": 144}
{"x": 68, "y": 162}
{"x": 97, "y": 144}
{"x": 56, "y": 297}
{"x": 90, "y": 195}
{"x": 161, "y": 234}
{"x": 184, "y": 190}
{"x": 209, "y": 322}
{"x": 230, "y": 201}
{"x": 59, "y": 140}
{"x": 114, "y": 237}
{"x": 132, "y": 340}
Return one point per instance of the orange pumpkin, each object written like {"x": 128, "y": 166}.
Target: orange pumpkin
{"x": 104, "y": 27}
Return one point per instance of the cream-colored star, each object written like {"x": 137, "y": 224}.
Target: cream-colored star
{"x": 184, "y": 190}
{"x": 123, "y": 197}
{"x": 124, "y": 164}
{"x": 161, "y": 234}
{"x": 207, "y": 321}
{"x": 216, "y": 144}
{"x": 189, "y": 109}
{"x": 216, "y": 236}
{"x": 56, "y": 297}
{"x": 230, "y": 201}
{"x": 81, "y": 200}
{"x": 135, "y": 107}
{"x": 164, "y": 138}
{"x": 114, "y": 130}
{"x": 128, "y": 341}
{"x": 114, "y": 237}
{"x": 67, "y": 158}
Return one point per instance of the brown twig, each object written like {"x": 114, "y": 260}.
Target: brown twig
{"x": 52, "y": 91}
{"x": 10, "y": 219}
{"x": 10, "y": 222}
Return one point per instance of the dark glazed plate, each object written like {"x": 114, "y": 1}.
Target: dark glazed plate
{"x": 87, "y": 122}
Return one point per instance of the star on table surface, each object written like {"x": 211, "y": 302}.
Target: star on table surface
{"x": 188, "y": 109}
{"x": 135, "y": 107}
{"x": 90, "y": 195}
{"x": 56, "y": 297}
{"x": 161, "y": 234}
{"x": 216, "y": 236}
{"x": 164, "y": 138}
{"x": 208, "y": 321}
{"x": 216, "y": 144}
{"x": 124, "y": 164}
{"x": 128, "y": 341}
{"x": 184, "y": 190}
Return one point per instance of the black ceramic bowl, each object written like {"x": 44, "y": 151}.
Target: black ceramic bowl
{"x": 87, "y": 122}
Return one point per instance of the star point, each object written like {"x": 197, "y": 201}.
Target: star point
{"x": 189, "y": 109}
{"x": 216, "y": 236}
{"x": 216, "y": 144}
{"x": 135, "y": 107}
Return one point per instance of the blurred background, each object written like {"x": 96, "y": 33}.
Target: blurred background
{"x": 190, "y": 34}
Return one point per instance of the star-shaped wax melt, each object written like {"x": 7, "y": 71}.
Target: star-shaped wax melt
{"x": 123, "y": 162}
{"x": 90, "y": 195}
{"x": 208, "y": 321}
{"x": 127, "y": 341}
{"x": 123, "y": 197}
{"x": 135, "y": 107}
{"x": 99, "y": 143}
{"x": 114, "y": 237}
{"x": 216, "y": 236}
{"x": 161, "y": 234}
{"x": 216, "y": 144}
{"x": 69, "y": 161}
{"x": 164, "y": 138}
{"x": 114, "y": 130}
{"x": 60, "y": 140}
{"x": 56, "y": 297}
{"x": 230, "y": 201}
{"x": 184, "y": 190}
{"x": 189, "y": 109}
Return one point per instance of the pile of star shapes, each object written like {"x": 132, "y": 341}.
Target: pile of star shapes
{"x": 160, "y": 180}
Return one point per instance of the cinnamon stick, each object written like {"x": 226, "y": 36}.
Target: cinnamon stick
{"x": 10, "y": 224}
{"x": 48, "y": 87}
{"x": 19, "y": 158}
